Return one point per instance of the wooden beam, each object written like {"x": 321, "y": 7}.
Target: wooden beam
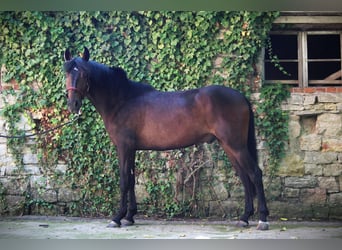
{"x": 309, "y": 19}
{"x": 334, "y": 76}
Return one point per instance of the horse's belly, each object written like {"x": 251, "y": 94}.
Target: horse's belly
{"x": 173, "y": 138}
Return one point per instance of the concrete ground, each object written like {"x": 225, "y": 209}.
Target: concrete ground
{"x": 42, "y": 227}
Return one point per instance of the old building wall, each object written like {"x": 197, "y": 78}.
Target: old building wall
{"x": 307, "y": 185}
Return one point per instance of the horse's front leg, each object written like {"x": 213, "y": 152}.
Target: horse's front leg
{"x": 126, "y": 164}
{"x": 132, "y": 209}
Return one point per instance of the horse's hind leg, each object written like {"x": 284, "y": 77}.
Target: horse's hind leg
{"x": 247, "y": 185}
{"x": 249, "y": 196}
{"x": 251, "y": 178}
{"x": 254, "y": 175}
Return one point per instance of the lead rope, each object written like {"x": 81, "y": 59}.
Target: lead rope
{"x": 42, "y": 132}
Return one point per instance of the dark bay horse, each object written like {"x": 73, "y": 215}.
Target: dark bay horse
{"x": 139, "y": 117}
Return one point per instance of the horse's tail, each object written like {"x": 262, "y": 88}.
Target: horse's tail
{"x": 252, "y": 145}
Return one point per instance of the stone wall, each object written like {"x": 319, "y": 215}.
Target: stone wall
{"x": 308, "y": 184}
{"x": 311, "y": 173}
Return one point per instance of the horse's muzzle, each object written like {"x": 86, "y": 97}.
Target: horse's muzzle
{"x": 74, "y": 106}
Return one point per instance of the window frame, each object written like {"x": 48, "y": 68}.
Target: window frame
{"x": 303, "y": 60}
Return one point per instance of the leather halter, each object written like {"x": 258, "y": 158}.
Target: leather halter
{"x": 72, "y": 88}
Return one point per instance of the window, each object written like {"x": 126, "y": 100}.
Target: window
{"x": 309, "y": 58}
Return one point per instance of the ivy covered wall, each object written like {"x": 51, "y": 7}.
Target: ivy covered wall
{"x": 74, "y": 170}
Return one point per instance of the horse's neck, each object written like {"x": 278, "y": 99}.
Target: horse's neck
{"x": 110, "y": 90}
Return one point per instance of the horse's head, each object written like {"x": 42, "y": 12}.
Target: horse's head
{"x": 77, "y": 84}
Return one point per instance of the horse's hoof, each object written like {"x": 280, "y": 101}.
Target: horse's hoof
{"x": 113, "y": 224}
{"x": 126, "y": 222}
{"x": 242, "y": 223}
{"x": 263, "y": 225}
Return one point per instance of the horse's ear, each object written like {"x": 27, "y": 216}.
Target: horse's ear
{"x": 67, "y": 55}
{"x": 85, "y": 55}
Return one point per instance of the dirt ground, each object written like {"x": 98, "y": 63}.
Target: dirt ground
{"x": 42, "y": 227}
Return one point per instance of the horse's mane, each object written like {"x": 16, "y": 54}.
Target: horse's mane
{"x": 132, "y": 88}
{"x": 119, "y": 73}
{"x": 116, "y": 77}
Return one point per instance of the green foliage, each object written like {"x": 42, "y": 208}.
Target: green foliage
{"x": 169, "y": 50}
{"x": 272, "y": 122}
{"x": 3, "y": 203}
{"x": 274, "y": 58}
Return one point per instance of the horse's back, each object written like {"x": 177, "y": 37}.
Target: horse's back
{"x": 167, "y": 120}
{"x": 223, "y": 94}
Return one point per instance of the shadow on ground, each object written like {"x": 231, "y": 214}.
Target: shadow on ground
{"x": 42, "y": 227}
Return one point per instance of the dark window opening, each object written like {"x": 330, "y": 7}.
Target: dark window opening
{"x": 274, "y": 73}
{"x": 283, "y": 51}
{"x": 322, "y": 70}
{"x": 324, "y": 59}
{"x": 283, "y": 46}
{"x": 308, "y": 58}
{"x": 324, "y": 46}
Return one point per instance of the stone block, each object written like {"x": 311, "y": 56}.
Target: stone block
{"x": 297, "y": 108}
{"x": 313, "y": 169}
{"x": 68, "y": 195}
{"x": 319, "y": 107}
{"x": 296, "y": 99}
{"x": 336, "y": 199}
{"x": 44, "y": 209}
{"x": 291, "y": 192}
{"x": 10, "y": 171}
{"x": 332, "y": 145}
{"x": 255, "y": 97}
{"x": 330, "y": 97}
{"x": 14, "y": 185}
{"x": 330, "y": 107}
{"x": 2, "y": 171}
{"x": 311, "y": 142}
{"x": 231, "y": 208}
{"x": 329, "y": 183}
{"x": 335, "y": 212}
{"x": 291, "y": 165}
{"x": 285, "y": 209}
{"x": 314, "y": 195}
{"x": 320, "y": 157}
{"x": 217, "y": 62}
{"x": 308, "y": 112}
{"x": 32, "y": 169}
{"x": 301, "y": 182}
{"x": 15, "y": 204}
{"x": 61, "y": 168}
{"x": 3, "y": 149}
{"x": 329, "y": 124}
{"x": 320, "y": 211}
{"x": 310, "y": 100}
{"x": 38, "y": 181}
{"x": 339, "y": 107}
{"x": 6, "y": 160}
{"x": 30, "y": 159}
{"x": 332, "y": 170}
{"x": 220, "y": 191}
{"x": 294, "y": 126}
{"x": 2, "y": 139}
{"x": 47, "y": 195}
{"x": 237, "y": 192}
{"x": 273, "y": 190}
